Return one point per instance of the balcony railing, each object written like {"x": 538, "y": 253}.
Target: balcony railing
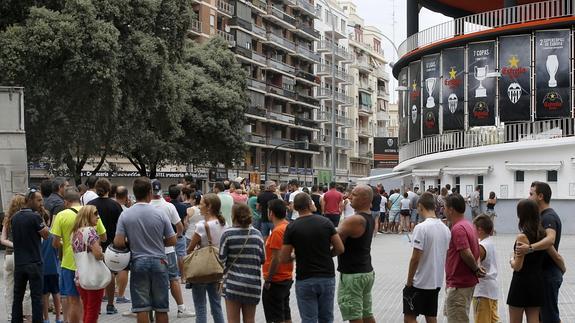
{"x": 488, "y": 20}
{"x": 280, "y": 14}
{"x": 196, "y": 26}
{"x": 310, "y": 8}
{"x": 255, "y": 138}
{"x": 341, "y": 120}
{"x": 366, "y": 131}
{"x": 281, "y": 117}
{"x": 305, "y": 122}
{"x": 339, "y": 142}
{"x": 363, "y": 64}
{"x": 255, "y": 111}
{"x": 280, "y": 40}
{"x": 280, "y": 66}
{"x": 380, "y": 72}
{"x": 225, "y": 7}
{"x": 306, "y": 76}
{"x": 227, "y": 36}
{"x": 306, "y": 52}
{"x": 382, "y": 92}
{"x": 260, "y": 31}
{"x": 365, "y": 154}
{"x": 307, "y": 99}
{"x": 257, "y": 84}
{"x": 273, "y": 89}
{"x": 325, "y": 45}
{"x": 259, "y": 4}
{"x": 367, "y": 108}
{"x": 259, "y": 57}
{"x": 366, "y": 46}
{"x": 515, "y": 132}
{"x": 302, "y": 26}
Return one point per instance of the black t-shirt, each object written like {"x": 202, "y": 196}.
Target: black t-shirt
{"x": 311, "y": 238}
{"x": 263, "y": 200}
{"x": 181, "y": 208}
{"x": 316, "y": 200}
{"x": 550, "y": 220}
{"x": 109, "y": 211}
{"x": 375, "y": 203}
{"x": 27, "y": 241}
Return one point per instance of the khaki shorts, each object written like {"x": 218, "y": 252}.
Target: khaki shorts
{"x": 457, "y": 304}
{"x": 354, "y": 295}
{"x": 485, "y": 310}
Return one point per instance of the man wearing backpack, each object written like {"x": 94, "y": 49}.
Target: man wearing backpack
{"x": 394, "y": 205}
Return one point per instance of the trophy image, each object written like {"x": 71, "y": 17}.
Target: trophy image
{"x": 430, "y": 85}
{"x": 552, "y": 66}
{"x": 480, "y": 75}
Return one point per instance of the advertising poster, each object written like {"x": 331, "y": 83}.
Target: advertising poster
{"x": 481, "y": 89}
{"x": 430, "y": 95}
{"x": 552, "y": 81}
{"x": 452, "y": 92}
{"x": 414, "y": 105}
{"x": 385, "y": 152}
{"x": 402, "y": 106}
{"x": 515, "y": 81}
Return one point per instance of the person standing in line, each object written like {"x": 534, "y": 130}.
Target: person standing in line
{"x": 91, "y": 192}
{"x": 475, "y": 202}
{"x": 122, "y": 277}
{"x": 175, "y": 192}
{"x": 253, "y": 204}
{"x": 491, "y": 201}
{"x": 122, "y": 197}
{"x": 278, "y": 276}
{"x": 440, "y": 207}
{"x": 242, "y": 254}
{"x": 262, "y": 202}
{"x": 461, "y": 268}
{"x": 357, "y": 275}
{"x": 168, "y": 210}
{"x": 237, "y": 193}
{"x": 226, "y": 200}
{"x": 414, "y": 216}
{"x": 394, "y": 211}
{"x": 109, "y": 212}
{"x": 448, "y": 187}
{"x": 540, "y": 192}
{"x": 346, "y": 207}
{"x": 27, "y": 230}
{"x": 331, "y": 204}
{"x": 316, "y": 196}
{"x": 62, "y": 233}
{"x": 426, "y": 268}
{"x": 375, "y": 207}
{"x": 486, "y": 292}
{"x": 54, "y": 203}
{"x": 315, "y": 241}
{"x": 51, "y": 270}
{"x": 295, "y": 190}
{"x": 527, "y": 290}
{"x": 148, "y": 232}
{"x": 405, "y": 212}
{"x": 383, "y": 220}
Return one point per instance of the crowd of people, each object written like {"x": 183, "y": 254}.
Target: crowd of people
{"x": 259, "y": 233}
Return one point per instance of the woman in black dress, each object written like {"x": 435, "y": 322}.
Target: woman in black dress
{"x": 526, "y": 290}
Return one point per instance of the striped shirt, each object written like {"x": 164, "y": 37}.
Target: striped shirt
{"x": 242, "y": 282}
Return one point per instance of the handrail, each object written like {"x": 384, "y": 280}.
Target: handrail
{"x": 488, "y": 20}
{"x": 514, "y": 132}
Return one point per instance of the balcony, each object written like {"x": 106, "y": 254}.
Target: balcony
{"x": 515, "y": 132}
{"x": 280, "y": 42}
{"x": 307, "y": 77}
{"x": 341, "y": 53}
{"x": 259, "y": 31}
{"x": 256, "y": 85}
{"x": 339, "y": 142}
{"x": 241, "y": 23}
{"x": 280, "y": 17}
{"x": 259, "y": 5}
{"x": 304, "y": 52}
{"x": 382, "y": 92}
{"x": 383, "y": 116}
{"x": 196, "y": 27}
{"x": 309, "y": 8}
{"x": 304, "y": 121}
{"x": 255, "y": 138}
{"x": 228, "y": 37}
{"x": 365, "y": 131}
{"x": 336, "y": 34}
{"x": 544, "y": 10}
{"x": 250, "y": 56}
{"x": 281, "y": 117}
{"x": 325, "y": 116}
{"x": 365, "y": 109}
{"x": 305, "y": 30}
{"x": 341, "y": 76}
{"x": 280, "y": 66}
{"x": 363, "y": 65}
{"x": 255, "y": 111}
{"x": 380, "y": 73}
{"x": 276, "y": 91}
{"x": 340, "y": 97}
{"x": 365, "y": 46}
{"x": 225, "y": 8}
{"x": 365, "y": 154}
{"x": 306, "y": 100}
{"x": 365, "y": 87}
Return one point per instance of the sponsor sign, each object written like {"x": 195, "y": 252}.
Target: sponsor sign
{"x": 386, "y": 152}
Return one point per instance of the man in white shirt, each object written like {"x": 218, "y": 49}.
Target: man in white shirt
{"x": 295, "y": 190}
{"x": 90, "y": 194}
{"x": 382, "y": 211}
{"x": 427, "y": 264}
{"x": 169, "y": 210}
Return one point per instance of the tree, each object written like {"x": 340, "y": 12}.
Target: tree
{"x": 67, "y": 61}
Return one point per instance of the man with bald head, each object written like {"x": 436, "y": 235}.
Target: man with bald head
{"x": 357, "y": 276}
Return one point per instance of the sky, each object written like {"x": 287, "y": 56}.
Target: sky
{"x": 389, "y": 16}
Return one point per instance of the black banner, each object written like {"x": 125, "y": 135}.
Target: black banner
{"x": 414, "y": 105}
{"x": 402, "y": 106}
{"x": 481, "y": 84}
{"x": 553, "y": 66}
{"x": 385, "y": 152}
{"x": 430, "y": 95}
{"x": 452, "y": 92}
{"x": 515, "y": 81}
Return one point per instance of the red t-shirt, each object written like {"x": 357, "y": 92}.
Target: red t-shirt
{"x": 275, "y": 242}
{"x": 332, "y": 199}
{"x": 457, "y": 273}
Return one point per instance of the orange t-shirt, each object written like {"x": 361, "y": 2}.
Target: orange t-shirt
{"x": 275, "y": 242}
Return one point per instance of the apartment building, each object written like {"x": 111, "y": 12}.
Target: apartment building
{"x": 275, "y": 43}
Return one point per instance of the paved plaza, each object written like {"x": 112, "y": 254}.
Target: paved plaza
{"x": 390, "y": 258}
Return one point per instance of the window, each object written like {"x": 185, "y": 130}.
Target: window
{"x": 480, "y": 184}
{"x": 243, "y": 39}
{"x": 377, "y": 45}
{"x": 458, "y": 184}
{"x": 551, "y": 176}
{"x": 519, "y": 176}
{"x": 343, "y": 25}
{"x": 243, "y": 11}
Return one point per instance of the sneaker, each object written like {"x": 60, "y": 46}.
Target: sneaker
{"x": 185, "y": 313}
{"x": 123, "y": 300}
{"x": 111, "y": 309}
{"x": 129, "y": 314}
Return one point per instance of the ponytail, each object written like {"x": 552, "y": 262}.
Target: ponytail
{"x": 221, "y": 219}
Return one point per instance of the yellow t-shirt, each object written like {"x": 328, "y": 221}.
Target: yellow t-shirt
{"x": 62, "y": 227}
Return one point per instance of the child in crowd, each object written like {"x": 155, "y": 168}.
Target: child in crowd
{"x": 51, "y": 268}
{"x": 485, "y": 294}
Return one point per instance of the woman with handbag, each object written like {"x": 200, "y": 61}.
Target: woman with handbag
{"x": 88, "y": 256}
{"x": 242, "y": 252}
{"x": 208, "y": 233}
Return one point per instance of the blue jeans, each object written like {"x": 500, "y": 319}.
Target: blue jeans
{"x": 553, "y": 279}
{"x": 199, "y": 294}
{"x": 266, "y": 228}
{"x": 149, "y": 285}
{"x": 315, "y": 299}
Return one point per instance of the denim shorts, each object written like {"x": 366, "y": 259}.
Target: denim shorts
{"x": 149, "y": 285}
{"x": 67, "y": 283}
{"x": 181, "y": 247}
{"x": 394, "y": 216}
{"x": 173, "y": 271}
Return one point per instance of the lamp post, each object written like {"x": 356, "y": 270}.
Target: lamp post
{"x": 297, "y": 144}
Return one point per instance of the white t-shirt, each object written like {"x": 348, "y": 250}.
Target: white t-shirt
{"x": 405, "y": 204}
{"x": 432, "y": 237}
{"x": 193, "y": 221}
{"x": 488, "y": 286}
{"x": 382, "y": 204}
{"x": 294, "y": 214}
{"x": 216, "y": 230}
{"x": 170, "y": 211}
{"x": 87, "y": 197}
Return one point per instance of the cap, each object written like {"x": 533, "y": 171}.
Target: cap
{"x": 156, "y": 185}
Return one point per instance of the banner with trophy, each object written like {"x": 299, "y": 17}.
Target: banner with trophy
{"x": 430, "y": 95}
{"x": 553, "y": 67}
{"x": 414, "y": 101}
{"x": 402, "y": 106}
{"x": 515, "y": 80}
{"x": 452, "y": 92}
{"x": 481, "y": 82}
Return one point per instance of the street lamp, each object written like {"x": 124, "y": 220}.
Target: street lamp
{"x": 297, "y": 144}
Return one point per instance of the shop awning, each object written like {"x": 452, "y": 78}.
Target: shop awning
{"x": 479, "y": 170}
{"x": 383, "y": 176}
{"x": 426, "y": 172}
{"x": 533, "y": 166}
